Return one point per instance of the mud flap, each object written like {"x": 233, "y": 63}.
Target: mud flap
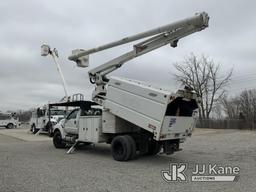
{"x": 171, "y": 146}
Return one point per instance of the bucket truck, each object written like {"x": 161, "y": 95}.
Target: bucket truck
{"x": 44, "y": 117}
{"x": 9, "y": 120}
{"x": 134, "y": 117}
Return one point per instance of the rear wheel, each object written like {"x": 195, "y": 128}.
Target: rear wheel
{"x": 50, "y": 129}
{"x": 58, "y": 141}
{"x": 10, "y": 126}
{"x": 121, "y": 148}
{"x": 50, "y": 133}
{"x": 133, "y": 147}
{"x": 34, "y": 129}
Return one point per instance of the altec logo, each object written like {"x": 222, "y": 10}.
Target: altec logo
{"x": 172, "y": 122}
{"x": 201, "y": 173}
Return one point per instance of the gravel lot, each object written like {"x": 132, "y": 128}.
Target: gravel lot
{"x": 36, "y": 165}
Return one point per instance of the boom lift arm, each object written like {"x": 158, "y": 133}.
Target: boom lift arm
{"x": 158, "y": 37}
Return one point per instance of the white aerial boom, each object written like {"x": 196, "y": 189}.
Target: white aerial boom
{"x": 46, "y": 50}
{"x": 168, "y": 34}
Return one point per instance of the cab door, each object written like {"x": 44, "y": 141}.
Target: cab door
{"x": 2, "y": 120}
{"x": 71, "y": 122}
{"x": 41, "y": 118}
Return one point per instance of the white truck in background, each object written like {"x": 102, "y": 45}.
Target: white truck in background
{"x": 134, "y": 117}
{"x": 43, "y": 119}
{"x": 8, "y": 120}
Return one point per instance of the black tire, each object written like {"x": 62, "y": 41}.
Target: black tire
{"x": 34, "y": 129}
{"x": 58, "y": 141}
{"x": 133, "y": 147}
{"x": 153, "y": 147}
{"x": 10, "y": 126}
{"x": 49, "y": 129}
{"x": 121, "y": 148}
{"x": 50, "y": 132}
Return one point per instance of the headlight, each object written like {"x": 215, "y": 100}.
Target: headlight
{"x": 54, "y": 122}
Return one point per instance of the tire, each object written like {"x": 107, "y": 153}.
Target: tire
{"x": 153, "y": 147}
{"x": 49, "y": 129}
{"x": 34, "y": 129}
{"x": 58, "y": 141}
{"x": 50, "y": 133}
{"x": 133, "y": 147}
{"x": 121, "y": 148}
{"x": 10, "y": 126}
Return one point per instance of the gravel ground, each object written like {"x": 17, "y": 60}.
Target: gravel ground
{"x": 33, "y": 166}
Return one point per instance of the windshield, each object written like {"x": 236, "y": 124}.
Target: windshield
{"x": 57, "y": 112}
{"x": 5, "y": 116}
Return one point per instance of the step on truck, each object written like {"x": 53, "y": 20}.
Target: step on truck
{"x": 134, "y": 117}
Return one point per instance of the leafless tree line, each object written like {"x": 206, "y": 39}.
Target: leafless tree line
{"x": 216, "y": 108}
{"x": 242, "y": 106}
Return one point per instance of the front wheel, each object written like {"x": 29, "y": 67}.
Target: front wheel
{"x": 58, "y": 141}
{"x": 10, "y": 126}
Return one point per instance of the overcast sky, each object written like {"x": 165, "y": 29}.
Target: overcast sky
{"x": 28, "y": 80}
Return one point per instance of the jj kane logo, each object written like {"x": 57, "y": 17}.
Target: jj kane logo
{"x": 200, "y": 173}
{"x": 176, "y": 172}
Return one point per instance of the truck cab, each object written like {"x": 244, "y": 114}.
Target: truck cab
{"x": 43, "y": 118}
{"x": 79, "y": 122}
{"x": 71, "y": 122}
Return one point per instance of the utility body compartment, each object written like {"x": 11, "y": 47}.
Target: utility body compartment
{"x": 90, "y": 129}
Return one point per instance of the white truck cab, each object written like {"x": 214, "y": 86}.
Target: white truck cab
{"x": 8, "y": 120}
{"x": 43, "y": 118}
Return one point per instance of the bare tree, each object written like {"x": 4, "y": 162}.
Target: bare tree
{"x": 217, "y": 111}
{"x": 248, "y": 105}
{"x": 242, "y": 107}
{"x": 231, "y": 107}
{"x": 203, "y": 75}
